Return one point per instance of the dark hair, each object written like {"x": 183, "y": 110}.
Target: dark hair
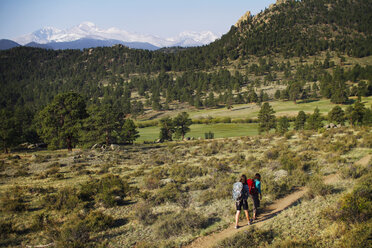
{"x": 243, "y": 179}
{"x": 258, "y": 176}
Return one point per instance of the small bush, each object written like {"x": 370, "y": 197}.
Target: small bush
{"x": 209, "y": 135}
{"x": 6, "y": 228}
{"x": 14, "y": 200}
{"x": 367, "y": 141}
{"x": 353, "y": 171}
{"x": 144, "y": 213}
{"x": 186, "y": 171}
{"x": 272, "y": 154}
{"x": 152, "y": 182}
{"x": 290, "y": 161}
{"x": 97, "y": 221}
{"x": 318, "y": 188}
{"x": 252, "y": 238}
{"x": 64, "y": 199}
{"x": 185, "y": 222}
{"x": 74, "y": 233}
{"x": 169, "y": 193}
{"x": 110, "y": 190}
{"x": 359, "y": 236}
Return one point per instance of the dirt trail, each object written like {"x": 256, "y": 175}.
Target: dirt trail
{"x": 365, "y": 160}
{"x": 269, "y": 212}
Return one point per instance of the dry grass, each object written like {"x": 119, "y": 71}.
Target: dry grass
{"x": 164, "y": 181}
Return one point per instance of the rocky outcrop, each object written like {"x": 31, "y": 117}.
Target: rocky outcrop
{"x": 280, "y": 1}
{"x": 243, "y": 18}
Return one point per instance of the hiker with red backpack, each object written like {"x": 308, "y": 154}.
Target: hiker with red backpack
{"x": 254, "y": 186}
{"x": 240, "y": 195}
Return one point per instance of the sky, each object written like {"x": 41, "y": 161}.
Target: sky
{"x": 164, "y": 18}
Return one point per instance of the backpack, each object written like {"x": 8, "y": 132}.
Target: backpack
{"x": 237, "y": 191}
{"x": 252, "y": 187}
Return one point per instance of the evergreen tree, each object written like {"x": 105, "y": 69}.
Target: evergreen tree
{"x": 314, "y": 122}
{"x": 277, "y": 94}
{"x": 355, "y": 114}
{"x": 283, "y": 125}
{"x": 182, "y": 124}
{"x": 102, "y": 125}
{"x": 337, "y": 115}
{"x": 8, "y": 130}
{"x": 339, "y": 94}
{"x": 129, "y": 132}
{"x": 61, "y": 120}
{"x": 166, "y": 129}
{"x": 266, "y": 118}
{"x": 300, "y": 120}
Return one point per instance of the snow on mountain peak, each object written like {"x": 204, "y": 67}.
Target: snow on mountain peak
{"x": 90, "y": 30}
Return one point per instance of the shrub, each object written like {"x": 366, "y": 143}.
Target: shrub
{"x": 64, "y": 199}
{"x": 209, "y": 135}
{"x": 359, "y": 236}
{"x": 185, "y": 222}
{"x": 97, "y": 221}
{"x": 353, "y": 171}
{"x": 318, "y": 188}
{"x": 14, "y": 200}
{"x": 272, "y": 154}
{"x": 290, "y": 243}
{"x": 152, "y": 182}
{"x": 145, "y": 214}
{"x": 357, "y": 206}
{"x": 73, "y": 233}
{"x": 367, "y": 141}
{"x": 251, "y": 238}
{"x": 290, "y": 161}
{"x": 186, "y": 171}
{"x": 169, "y": 193}
{"x": 109, "y": 190}
{"x": 6, "y": 228}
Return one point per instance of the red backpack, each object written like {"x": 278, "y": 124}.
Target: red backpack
{"x": 252, "y": 186}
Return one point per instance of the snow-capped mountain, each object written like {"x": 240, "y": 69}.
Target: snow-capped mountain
{"x": 88, "y": 30}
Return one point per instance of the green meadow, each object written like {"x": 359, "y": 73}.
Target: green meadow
{"x": 220, "y": 130}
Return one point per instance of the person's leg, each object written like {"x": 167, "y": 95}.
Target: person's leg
{"x": 255, "y": 206}
{"x": 247, "y": 215}
{"x": 237, "y": 218}
{"x": 245, "y": 207}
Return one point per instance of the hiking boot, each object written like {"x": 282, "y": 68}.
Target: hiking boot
{"x": 236, "y": 227}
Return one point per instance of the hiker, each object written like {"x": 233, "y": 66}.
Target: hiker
{"x": 242, "y": 201}
{"x": 256, "y": 195}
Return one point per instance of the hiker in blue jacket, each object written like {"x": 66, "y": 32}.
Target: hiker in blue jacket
{"x": 242, "y": 202}
{"x": 257, "y": 196}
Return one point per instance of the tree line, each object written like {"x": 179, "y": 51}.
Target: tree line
{"x": 356, "y": 115}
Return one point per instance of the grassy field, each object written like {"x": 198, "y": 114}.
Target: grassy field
{"x": 242, "y": 111}
{"x": 220, "y": 130}
{"x": 281, "y": 108}
{"x": 224, "y": 130}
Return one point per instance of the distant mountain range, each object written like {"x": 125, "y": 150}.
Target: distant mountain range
{"x": 87, "y": 35}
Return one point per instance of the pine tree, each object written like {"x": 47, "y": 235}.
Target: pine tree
{"x": 266, "y": 118}
{"x": 182, "y": 124}
{"x": 315, "y": 121}
{"x": 166, "y": 129}
{"x": 300, "y": 120}
{"x": 61, "y": 121}
{"x": 129, "y": 132}
{"x": 283, "y": 125}
{"x": 8, "y": 130}
{"x": 337, "y": 115}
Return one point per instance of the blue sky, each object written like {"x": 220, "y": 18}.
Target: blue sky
{"x": 164, "y": 18}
